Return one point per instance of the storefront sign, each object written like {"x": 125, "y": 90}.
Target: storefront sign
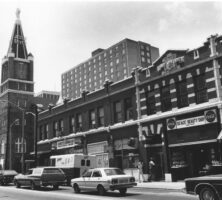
{"x": 209, "y": 116}
{"x": 66, "y": 143}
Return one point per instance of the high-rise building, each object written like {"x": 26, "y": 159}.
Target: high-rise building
{"x": 114, "y": 63}
{"x": 17, "y": 89}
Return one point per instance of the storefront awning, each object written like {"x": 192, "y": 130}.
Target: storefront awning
{"x": 219, "y": 137}
{"x": 39, "y": 152}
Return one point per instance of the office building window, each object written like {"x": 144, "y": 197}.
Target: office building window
{"x": 55, "y": 128}
{"x": 166, "y": 99}
{"x": 41, "y": 133}
{"x": 101, "y": 116}
{"x": 92, "y": 119}
{"x": 117, "y": 112}
{"x": 151, "y": 102}
{"x": 182, "y": 94}
{"x": 79, "y": 122}
{"x": 128, "y": 109}
{"x": 143, "y": 59}
{"x": 200, "y": 89}
{"x": 61, "y": 126}
{"x": 47, "y": 131}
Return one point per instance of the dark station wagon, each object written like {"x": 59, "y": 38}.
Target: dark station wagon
{"x": 41, "y": 176}
{"x": 207, "y": 187}
{"x": 7, "y": 176}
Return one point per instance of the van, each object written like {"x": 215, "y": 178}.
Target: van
{"x": 73, "y": 165}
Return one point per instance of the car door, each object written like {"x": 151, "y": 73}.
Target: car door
{"x": 87, "y": 179}
{"x": 95, "y": 179}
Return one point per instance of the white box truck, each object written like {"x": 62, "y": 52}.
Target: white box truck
{"x": 74, "y": 165}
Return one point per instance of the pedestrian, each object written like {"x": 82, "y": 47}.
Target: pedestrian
{"x": 140, "y": 167}
{"x": 151, "y": 170}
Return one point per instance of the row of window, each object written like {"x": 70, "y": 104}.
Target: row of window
{"x": 200, "y": 90}
{"x": 18, "y": 146}
{"x": 122, "y": 111}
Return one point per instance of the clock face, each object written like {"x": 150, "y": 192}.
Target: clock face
{"x": 22, "y": 71}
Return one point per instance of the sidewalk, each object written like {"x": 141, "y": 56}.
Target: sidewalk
{"x": 162, "y": 185}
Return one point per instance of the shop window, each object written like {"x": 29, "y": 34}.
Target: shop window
{"x": 79, "y": 122}
{"x": 101, "y": 116}
{"x": 128, "y": 109}
{"x": 182, "y": 94}
{"x": 166, "y": 99}
{"x": 92, "y": 119}
{"x": 117, "y": 112}
{"x": 178, "y": 160}
{"x": 151, "y": 102}
{"x": 200, "y": 89}
{"x": 72, "y": 124}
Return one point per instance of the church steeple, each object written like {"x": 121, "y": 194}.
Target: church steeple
{"x": 17, "y": 44}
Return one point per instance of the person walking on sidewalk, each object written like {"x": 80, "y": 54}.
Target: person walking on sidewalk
{"x": 151, "y": 170}
{"x": 140, "y": 167}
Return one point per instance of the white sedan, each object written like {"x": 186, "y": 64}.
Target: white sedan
{"x": 102, "y": 180}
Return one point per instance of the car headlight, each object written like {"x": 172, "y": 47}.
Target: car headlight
{"x": 132, "y": 179}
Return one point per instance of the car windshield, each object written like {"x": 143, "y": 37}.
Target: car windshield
{"x": 111, "y": 172}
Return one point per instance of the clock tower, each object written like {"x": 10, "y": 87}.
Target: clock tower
{"x": 16, "y": 91}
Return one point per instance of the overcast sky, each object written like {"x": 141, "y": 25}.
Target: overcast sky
{"x": 63, "y": 33}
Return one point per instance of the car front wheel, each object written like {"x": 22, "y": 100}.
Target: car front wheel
{"x": 123, "y": 191}
{"x": 33, "y": 185}
{"x": 17, "y": 184}
{"x": 207, "y": 193}
{"x": 76, "y": 188}
{"x": 101, "y": 190}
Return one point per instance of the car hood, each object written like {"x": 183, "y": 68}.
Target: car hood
{"x": 211, "y": 177}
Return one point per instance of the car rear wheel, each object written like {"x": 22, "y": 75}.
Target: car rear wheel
{"x": 55, "y": 187}
{"x": 123, "y": 191}
{"x": 17, "y": 184}
{"x": 76, "y": 188}
{"x": 207, "y": 193}
{"x": 1, "y": 183}
{"x": 101, "y": 190}
{"x": 33, "y": 185}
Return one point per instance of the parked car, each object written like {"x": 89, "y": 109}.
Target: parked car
{"x": 102, "y": 180}
{"x": 7, "y": 176}
{"x": 41, "y": 176}
{"x": 207, "y": 187}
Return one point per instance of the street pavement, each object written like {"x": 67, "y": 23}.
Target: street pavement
{"x": 162, "y": 185}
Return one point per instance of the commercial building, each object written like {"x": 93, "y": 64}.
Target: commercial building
{"x": 170, "y": 111}
{"x": 50, "y": 95}
{"x": 114, "y": 63}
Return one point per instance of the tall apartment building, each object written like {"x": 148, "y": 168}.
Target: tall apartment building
{"x": 114, "y": 63}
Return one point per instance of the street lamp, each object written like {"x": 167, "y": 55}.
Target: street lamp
{"x": 10, "y": 142}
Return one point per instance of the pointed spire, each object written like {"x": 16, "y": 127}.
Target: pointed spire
{"x": 17, "y": 46}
